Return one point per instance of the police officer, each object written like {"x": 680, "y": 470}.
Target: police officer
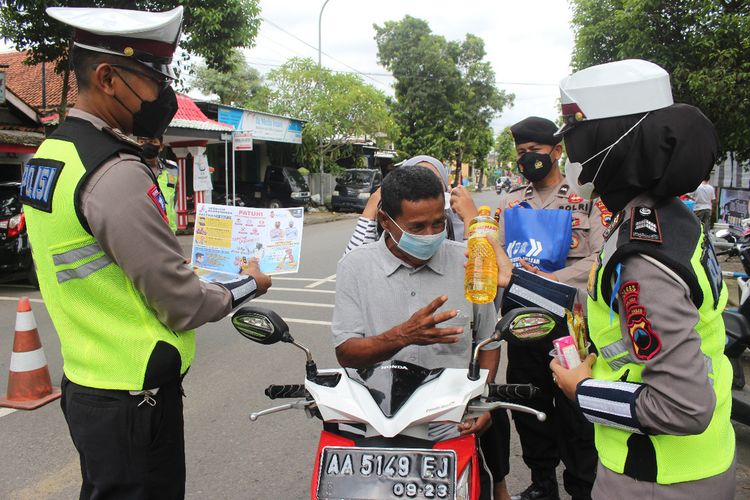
{"x": 166, "y": 172}
{"x": 565, "y": 435}
{"x": 116, "y": 285}
{"x": 659, "y": 392}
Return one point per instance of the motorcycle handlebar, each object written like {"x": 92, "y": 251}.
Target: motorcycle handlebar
{"x": 510, "y": 392}
{"x": 286, "y": 391}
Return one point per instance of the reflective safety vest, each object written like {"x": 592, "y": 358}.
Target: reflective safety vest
{"x": 110, "y": 337}
{"x": 168, "y": 186}
{"x": 687, "y": 253}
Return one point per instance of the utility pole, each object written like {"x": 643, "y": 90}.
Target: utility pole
{"x": 320, "y": 144}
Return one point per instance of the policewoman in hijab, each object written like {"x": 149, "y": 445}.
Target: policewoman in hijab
{"x": 119, "y": 292}
{"x": 367, "y": 231}
{"x": 659, "y": 391}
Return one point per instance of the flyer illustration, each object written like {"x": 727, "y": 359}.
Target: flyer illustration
{"x": 227, "y": 238}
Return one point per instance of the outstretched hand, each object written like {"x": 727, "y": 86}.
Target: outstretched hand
{"x": 535, "y": 270}
{"x": 421, "y": 329}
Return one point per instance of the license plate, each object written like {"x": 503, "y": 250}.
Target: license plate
{"x": 374, "y": 473}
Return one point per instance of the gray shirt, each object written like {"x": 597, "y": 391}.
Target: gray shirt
{"x": 375, "y": 291}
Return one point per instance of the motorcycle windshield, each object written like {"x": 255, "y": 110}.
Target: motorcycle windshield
{"x": 392, "y": 383}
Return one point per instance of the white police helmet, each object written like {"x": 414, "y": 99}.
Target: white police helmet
{"x": 618, "y": 88}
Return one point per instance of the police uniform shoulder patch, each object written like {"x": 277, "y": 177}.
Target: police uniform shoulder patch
{"x": 117, "y": 134}
{"x": 613, "y": 225}
{"x": 644, "y": 225}
{"x": 606, "y": 214}
{"x": 158, "y": 198}
{"x": 40, "y": 176}
{"x": 646, "y": 343}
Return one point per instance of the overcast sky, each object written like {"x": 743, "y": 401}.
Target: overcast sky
{"x": 529, "y": 43}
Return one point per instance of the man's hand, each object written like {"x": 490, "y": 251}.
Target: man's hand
{"x": 504, "y": 265}
{"x": 371, "y": 209}
{"x": 475, "y": 425}
{"x": 420, "y": 328}
{"x": 262, "y": 280}
{"x": 536, "y": 270}
{"x": 463, "y": 204}
{"x": 568, "y": 380}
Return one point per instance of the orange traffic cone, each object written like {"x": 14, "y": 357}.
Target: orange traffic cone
{"x": 29, "y": 384}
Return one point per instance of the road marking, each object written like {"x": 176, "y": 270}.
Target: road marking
{"x": 307, "y": 321}
{"x": 291, "y": 303}
{"x": 6, "y": 411}
{"x": 278, "y": 289}
{"x": 51, "y": 483}
{"x": 275, "y": 277}
{"x": 331, "y": 278}
{"x": 36, "y": 301}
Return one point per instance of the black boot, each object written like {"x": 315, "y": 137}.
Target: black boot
{"x": 540, "y": 490}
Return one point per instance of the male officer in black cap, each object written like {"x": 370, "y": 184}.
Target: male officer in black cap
{"x": 566, "y": 434}
{"x": 122, "y": 298}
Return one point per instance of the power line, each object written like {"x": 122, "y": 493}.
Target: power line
{"x": 322, "y": 52}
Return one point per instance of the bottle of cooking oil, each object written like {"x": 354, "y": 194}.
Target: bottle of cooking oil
{"x": 480, "y": 280}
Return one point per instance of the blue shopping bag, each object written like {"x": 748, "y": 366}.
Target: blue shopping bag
{"x": 540, "y": 236}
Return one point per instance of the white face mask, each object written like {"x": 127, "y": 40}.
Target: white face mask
{"x": 573, "y": 170}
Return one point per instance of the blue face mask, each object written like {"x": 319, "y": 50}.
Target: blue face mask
{"x": 419, "y": 246}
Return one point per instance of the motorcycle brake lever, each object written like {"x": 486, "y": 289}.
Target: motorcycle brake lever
{"x": 295, "y": 405}
{"x": 484, "y": 407}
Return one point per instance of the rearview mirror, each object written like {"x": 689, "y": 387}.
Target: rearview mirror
{"x": 525, "y": 324}
{"x": 261, "y": 325}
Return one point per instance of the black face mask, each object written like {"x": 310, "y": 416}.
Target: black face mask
{"x": 154, "y": 116}
{"x": 150, "y": 151}
{"x": 534, "y": 166}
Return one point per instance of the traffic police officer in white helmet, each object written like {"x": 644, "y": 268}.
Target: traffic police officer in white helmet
{"x": 659, "y": 389}
{"x": 119, "y": 292}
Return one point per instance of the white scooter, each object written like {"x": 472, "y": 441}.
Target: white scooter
{"x": 379, "y": 437}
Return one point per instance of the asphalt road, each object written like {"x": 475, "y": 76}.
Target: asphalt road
{"x": 227, "y": 455}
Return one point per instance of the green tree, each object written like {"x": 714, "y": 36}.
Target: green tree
{"x": 239, "y": 85}
{"x": 703, "y": 44}
{"x": 505, "y": 148}
{"x": 445, "y": 93}
{"x": 337, "y": 107}
{"x": 212, "y": 28}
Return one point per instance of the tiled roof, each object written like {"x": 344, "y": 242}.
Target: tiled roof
{"x": 190, "y": 116}
{"x": 26, "y": 81}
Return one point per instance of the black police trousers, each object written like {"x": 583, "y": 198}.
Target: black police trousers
{"x": 566, "y": 434}
{"x": 129, "y": 447}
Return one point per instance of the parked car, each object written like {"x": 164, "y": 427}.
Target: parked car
{"x": 282, "y": 187}
{"x": 15, "y": 252}
{"x": 354, "y": 188}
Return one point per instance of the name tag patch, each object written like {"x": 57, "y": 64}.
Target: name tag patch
{"x": 40, "y": 176}
{"x": 158, "y": 198}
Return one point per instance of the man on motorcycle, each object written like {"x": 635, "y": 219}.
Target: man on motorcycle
{"x": 386, "y": 305}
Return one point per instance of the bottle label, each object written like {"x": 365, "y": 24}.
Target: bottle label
{"x": 482, "y": 228}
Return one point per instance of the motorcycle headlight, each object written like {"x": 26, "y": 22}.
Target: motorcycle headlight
{"x": 363, "y": 196}
{"x": 462, "y": 486}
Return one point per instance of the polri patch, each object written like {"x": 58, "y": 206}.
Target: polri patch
{"x": 40, "y": 176}
{"x": 158, "y": 198}
{"x": 606, "y": 214}
{"x": 646, "y": 343}
{"x": 644, "y": 225}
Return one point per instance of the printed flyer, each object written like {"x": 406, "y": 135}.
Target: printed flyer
{"x": 227, "y": 238}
